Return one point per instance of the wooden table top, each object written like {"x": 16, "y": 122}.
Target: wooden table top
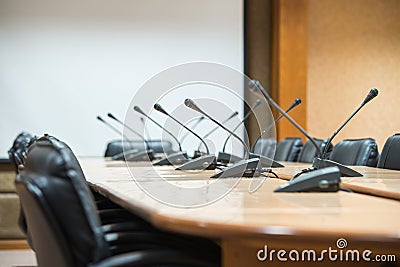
{"x": 262, "y": 213}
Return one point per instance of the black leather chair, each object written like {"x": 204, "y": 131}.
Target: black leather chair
{"x": 54, "y": 170}
{"x": 118, "y": 146}
{"x": 288, "y": 149}
{"x": 390, "y": 156}
{"x": 356, "y": 152}
{"x": 309, "y": 152}
{"x": 66, "y": 230}
{"x": 17, "y": 153}
{"x": 265, "y": 147}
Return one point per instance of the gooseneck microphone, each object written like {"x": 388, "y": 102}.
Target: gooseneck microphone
{"x": 112, "y": 128}
{"x": 255, "y": 105}
{"x": 322, "y": 162}
{"x": 140, "y": 156}
{"x": 296, "y": 102}
{"x": 224, "y": 157}
{"x": 197, "y": 152}
{"x": 265, "y": 160}
{"x": 160, "y": 109}
{"x": 199, "y": 119}
{"x": 223, "y": 122}
{"x": 247, "y": 167}
{"x": 371, "y": 95}
{"x": 174, "y": 158}
{"x": 139, "y": 110}
{"x": 190, "y": 104}
{"x": 295, "y": 124}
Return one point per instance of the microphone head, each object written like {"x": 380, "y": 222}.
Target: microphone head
{"x": 371, "y": 95}
{"x": 190, "y": 104}
{"x": 258, "y": 102}
{"x": 112, "y": 116}
{"x": 297, "y": 101}
{"x": 233, "y": 115}
{"x": 159, "y": 108}
{"x": 100, "y": 118}
{"x": 137, "y": 109}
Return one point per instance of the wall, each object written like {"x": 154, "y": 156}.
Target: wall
{"x": 63, "y": 62}
{"x": 353, "y": 46}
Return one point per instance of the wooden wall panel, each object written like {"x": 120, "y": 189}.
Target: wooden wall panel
{"x": 289, "y": 61}
{"x": 353, "y": 46}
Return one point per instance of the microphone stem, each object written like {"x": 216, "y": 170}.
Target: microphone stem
{"x": 223, "y": 127}
{"x": 216, "y": 127}
{"x": 168, "y": 132}
{"x": 340, "y": 128}
{"x": 193, "y": 127}
{"x": 269, "y": 99}
{"x": 237, "y": 126}
{"x": 133, "y": 131}
{"x": 205, "y": 145}
{"x": 264, "y": 131}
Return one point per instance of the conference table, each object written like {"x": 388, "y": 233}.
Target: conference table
{"x": 261, "y": 227}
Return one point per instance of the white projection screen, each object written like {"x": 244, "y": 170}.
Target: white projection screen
{"x": 63, "y": 62}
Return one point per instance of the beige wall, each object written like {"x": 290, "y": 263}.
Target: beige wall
{"x": 353, "y": 46}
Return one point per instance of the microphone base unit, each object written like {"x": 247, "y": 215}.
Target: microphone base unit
{"x": 198, "y": 154}
{"x": 345, "y": 171}
{"x": 266, "y": 162}
{"x": 322, "y": 180}
{"x": 244, "y": 168}
{"x": 224, "y": 157}
{"x": 172, "y": 159}
{"x": 146, "y": 155}
{"x": 121, "y": 155}
{"x": 207, "y": 162}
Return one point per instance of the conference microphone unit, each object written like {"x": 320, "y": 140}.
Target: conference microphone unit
{"x": 197, "y": 153}
{"x": 245, "y": 168}
{"x": 266, "y": 161}
{"x": 145, "y": 155}
{"x": 207, "y": 161}
{"x": 171, "y": 159}
{"x": 322, "y": 162}
{"x": 225, "y": 157}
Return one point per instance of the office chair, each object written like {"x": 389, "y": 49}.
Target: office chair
{"x": 118, "y": 146}
{"x": 66, "y": 230}
{"x": 265, "y": 147}
{"x": 356, "y": 152}
{"x": 17, "y": 153}
{"x": 53, "y": 159}
{"x": 44, "y": 149}
{"x": 390, "y": 156}
{"x": 309, "y": 152}
{"x": 288, "y": 149}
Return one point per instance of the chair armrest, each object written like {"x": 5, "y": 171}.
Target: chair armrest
{"x": 129, "y": 226}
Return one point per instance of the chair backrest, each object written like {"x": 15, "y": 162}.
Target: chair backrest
{"x": 390, "y": 156}
{"x": 17, "y": 153}
{"x": 265, "y": 147}
{"x": 117, "y": 146}
{"x": 68, "y": 199}
{"x": 356, "y": 152}
{"x": 288, "y": 149}
{"x": 309, "y": 152}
